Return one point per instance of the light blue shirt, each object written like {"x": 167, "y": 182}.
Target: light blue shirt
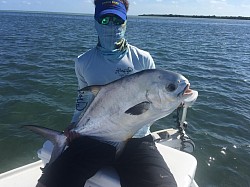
{"x": 93, "y": 69}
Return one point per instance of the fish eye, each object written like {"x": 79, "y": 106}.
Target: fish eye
{"x": 171, "y": 87}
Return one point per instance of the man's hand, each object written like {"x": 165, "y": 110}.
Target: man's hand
{"x": 70, "y": 133}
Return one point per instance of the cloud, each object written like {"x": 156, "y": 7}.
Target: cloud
{"x": 87, "y": 1}
{"x": 187, "y": 7}
{"x": 26, "y": 2}
{"x": 245, "y": 6}
{"x": 218, "y": 1}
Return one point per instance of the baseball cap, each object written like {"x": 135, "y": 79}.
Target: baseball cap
{"x": 110, "y": 7}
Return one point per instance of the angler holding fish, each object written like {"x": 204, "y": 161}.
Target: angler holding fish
{"x": 121, "y": 95}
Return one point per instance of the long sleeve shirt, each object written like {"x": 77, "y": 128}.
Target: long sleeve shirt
{"x": 93, "y": 69}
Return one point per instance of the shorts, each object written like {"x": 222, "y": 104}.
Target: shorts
{"x": 139, "y": 165}
{"x": 79, "y": 162}
{"x": 142, "y": 165}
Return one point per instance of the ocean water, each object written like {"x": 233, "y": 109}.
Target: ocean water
{"x": 38, "y": 84}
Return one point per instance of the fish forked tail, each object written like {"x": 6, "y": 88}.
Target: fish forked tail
{"x": 56, "y": 137}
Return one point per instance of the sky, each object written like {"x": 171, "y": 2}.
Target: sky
{"x": 182, "y": 7}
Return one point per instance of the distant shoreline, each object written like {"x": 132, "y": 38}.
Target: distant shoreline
{"x": 142, "y": 15}
{"x": 41, "y": 12}
{"x": 197, "y": 16}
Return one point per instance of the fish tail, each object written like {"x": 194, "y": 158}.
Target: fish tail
{"x": 56, "y": 137}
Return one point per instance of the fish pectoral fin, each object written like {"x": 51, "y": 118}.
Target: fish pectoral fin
{"x": 93, "y": 89}
{"x": 139, "y": 108}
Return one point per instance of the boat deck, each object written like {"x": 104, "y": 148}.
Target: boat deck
{"x": 182, "y": 165}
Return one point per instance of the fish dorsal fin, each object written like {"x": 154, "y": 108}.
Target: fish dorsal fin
{"x": 93, "y": 89}
{"x": 139, "y": 108}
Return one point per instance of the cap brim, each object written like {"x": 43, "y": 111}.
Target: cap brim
{"x": 113, "y": 11}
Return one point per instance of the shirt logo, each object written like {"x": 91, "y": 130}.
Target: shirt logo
{"x": 123, "y": 72}
{"x": 80, "y": 104}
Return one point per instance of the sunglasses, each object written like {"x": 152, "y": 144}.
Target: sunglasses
{"x": 115, "y": 19}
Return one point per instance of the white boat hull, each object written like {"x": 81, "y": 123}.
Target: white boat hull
{"x": 182, "y": 165}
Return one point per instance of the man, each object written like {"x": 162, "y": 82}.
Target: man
{"x": 139, "y": 164}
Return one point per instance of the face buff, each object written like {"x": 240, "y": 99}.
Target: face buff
{"x": 111, "y": 41}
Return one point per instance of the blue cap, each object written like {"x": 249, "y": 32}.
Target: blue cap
{"x": 110, "y": 7}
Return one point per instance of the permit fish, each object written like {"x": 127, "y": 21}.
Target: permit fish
{"x": 122, "y": 107}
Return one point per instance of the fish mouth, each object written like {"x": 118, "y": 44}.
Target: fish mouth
{"x": 186, "y": 91}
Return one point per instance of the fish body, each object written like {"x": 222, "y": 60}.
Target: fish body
{"x": 124, "y": 106}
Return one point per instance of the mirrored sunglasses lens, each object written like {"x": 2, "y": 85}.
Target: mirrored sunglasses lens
{"x": 105, "y": 20}
{"x": 117, "y": 21}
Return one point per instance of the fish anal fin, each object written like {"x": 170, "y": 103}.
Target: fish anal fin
{"x": 139, "y": 108}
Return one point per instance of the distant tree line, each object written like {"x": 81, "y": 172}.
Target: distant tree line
{"x": 198, "y": 16}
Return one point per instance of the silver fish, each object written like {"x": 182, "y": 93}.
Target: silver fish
{"x": 122, "y": 107}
